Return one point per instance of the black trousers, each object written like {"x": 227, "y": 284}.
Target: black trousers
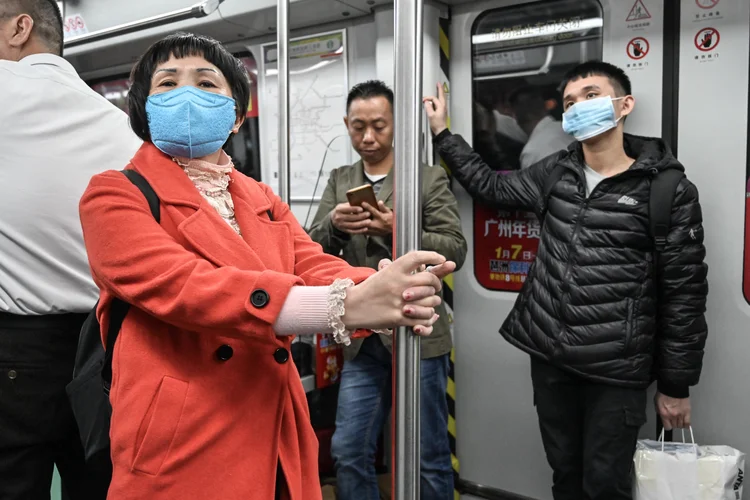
{"x": 37, "y": 428}
{"x": 589, "y": 431}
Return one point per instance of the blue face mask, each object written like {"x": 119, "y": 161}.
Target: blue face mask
{"x": 190, "y": 123}
{"x": 587, "y": 119}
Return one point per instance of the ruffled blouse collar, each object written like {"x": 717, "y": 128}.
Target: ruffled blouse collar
{"x": 212, "y": 181}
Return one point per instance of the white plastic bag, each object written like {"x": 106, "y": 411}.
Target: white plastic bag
{"x": 686, "y": 471}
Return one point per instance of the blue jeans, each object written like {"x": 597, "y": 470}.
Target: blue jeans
{"x": 364, "y": 404}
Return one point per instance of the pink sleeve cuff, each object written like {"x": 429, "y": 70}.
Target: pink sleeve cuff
{"x": 304, "y": 312}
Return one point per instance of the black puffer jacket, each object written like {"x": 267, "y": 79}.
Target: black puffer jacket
{"x": 589, "y": 304}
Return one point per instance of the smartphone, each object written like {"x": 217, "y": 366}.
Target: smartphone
{"x": 362, "y": 194}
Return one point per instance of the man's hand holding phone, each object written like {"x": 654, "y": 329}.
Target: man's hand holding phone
{"x": 350, "y": 219}
{"x": 382, "y": 219}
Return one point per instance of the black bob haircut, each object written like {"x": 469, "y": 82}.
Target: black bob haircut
{"x": 368, "y": 90}
{"x": 617, "y": 77}
{"x": 182, "y": 45}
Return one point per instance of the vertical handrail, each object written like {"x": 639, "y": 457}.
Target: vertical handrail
{"x": 407, "y": 58}
{"x": 282, "y": 58}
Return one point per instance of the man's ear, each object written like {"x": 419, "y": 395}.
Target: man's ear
{"x": 21, "y": 27}
{"x": 346, "y": 122}
{"x": 626, "y": 106}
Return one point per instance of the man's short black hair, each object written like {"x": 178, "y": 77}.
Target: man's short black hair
{"x": 182, "y": 45}
{"x": 48, "y": 22}
{"x": 617, "y": 77}
{"x": 368, "y": 90}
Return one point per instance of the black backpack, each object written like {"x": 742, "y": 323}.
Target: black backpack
{"x": 662, "y": 191}
{"x": 88, "y": 392}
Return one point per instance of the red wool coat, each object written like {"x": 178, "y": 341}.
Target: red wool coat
{"x": 206, "y": 399}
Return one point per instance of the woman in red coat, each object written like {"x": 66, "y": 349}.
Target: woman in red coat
{"x": 206, "y": 401}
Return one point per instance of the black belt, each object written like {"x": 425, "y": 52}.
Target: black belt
{"x": 20, "y": 321}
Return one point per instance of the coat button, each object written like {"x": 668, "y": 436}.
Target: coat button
{"x": 281, "y": 355}
{"x": 259, "y": 298}
{"x": 12, "y": 374}
{"x": 223, "y": 353}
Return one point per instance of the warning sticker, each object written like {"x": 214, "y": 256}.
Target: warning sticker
{"x": 707, "y": 39}
{"x": 707, "y": 4}
{"x": 638, "y": 48}
{"x": 639, "y": 12}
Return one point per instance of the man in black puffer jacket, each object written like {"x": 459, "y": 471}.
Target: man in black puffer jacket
{"x": 600, "y": 314}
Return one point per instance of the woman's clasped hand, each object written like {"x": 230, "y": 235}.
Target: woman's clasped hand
{"x": 399, "y": 294}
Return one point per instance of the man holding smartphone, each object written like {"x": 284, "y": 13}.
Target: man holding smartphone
{"x": 362, "y": 234}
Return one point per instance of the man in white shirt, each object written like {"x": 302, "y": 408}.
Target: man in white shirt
{"x": 56, "y": 133}
{"x": 546, "y": 135}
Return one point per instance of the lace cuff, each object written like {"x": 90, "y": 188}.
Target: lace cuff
{"x": 336, "y": 296}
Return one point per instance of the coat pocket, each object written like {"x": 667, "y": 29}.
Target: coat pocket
{"x": 159, "y": 425}
{"x": 629, "y": 326}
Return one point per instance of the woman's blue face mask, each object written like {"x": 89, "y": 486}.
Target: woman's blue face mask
{"x": 589, "y": 118}
{"x": 190, "y": 123}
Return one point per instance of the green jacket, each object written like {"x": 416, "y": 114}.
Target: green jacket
{"x": 441, "y": 232}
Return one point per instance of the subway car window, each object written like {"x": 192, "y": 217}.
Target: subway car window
{"x": 243, "y": 147}
{"x": 115, "y": 90}
{"x": 519, "y": 56}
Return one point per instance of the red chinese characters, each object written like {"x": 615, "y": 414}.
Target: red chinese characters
{"x": 505, "y": 245}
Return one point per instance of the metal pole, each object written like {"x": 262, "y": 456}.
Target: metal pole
{"x": 282, "y": 58}
{"x": 407, "y": 232}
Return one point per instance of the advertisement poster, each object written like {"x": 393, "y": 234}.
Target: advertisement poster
{"x": 252, "y": 72}
{"x": 329, "y": 361}
{"x": 505, "y": 245}
{"x": 318, "y": 86}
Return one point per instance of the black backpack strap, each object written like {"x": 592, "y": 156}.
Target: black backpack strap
{"x": 119, "y": 309}
{"x": 663, "y": 187}
{"x": 270, "y": 214}
{"x": 117, "y": 312}
{"x": 554, "y": 176}
{"x": 147, "y": 190}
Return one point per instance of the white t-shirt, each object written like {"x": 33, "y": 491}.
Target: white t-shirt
{"x": 56, "y": 134}
{"x": 376, "y": 182}
{"x": 593, "y": 178}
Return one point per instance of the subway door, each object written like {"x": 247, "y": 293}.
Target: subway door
{"x": 497, "y": 49}
{"x": 713, "y": 142}
{"x": 634, "y": 39}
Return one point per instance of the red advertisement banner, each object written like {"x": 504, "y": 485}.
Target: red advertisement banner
{"x": 505, "y": 245}
{"x": 252, "y": 73}
{"x": 329, "y": 361}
